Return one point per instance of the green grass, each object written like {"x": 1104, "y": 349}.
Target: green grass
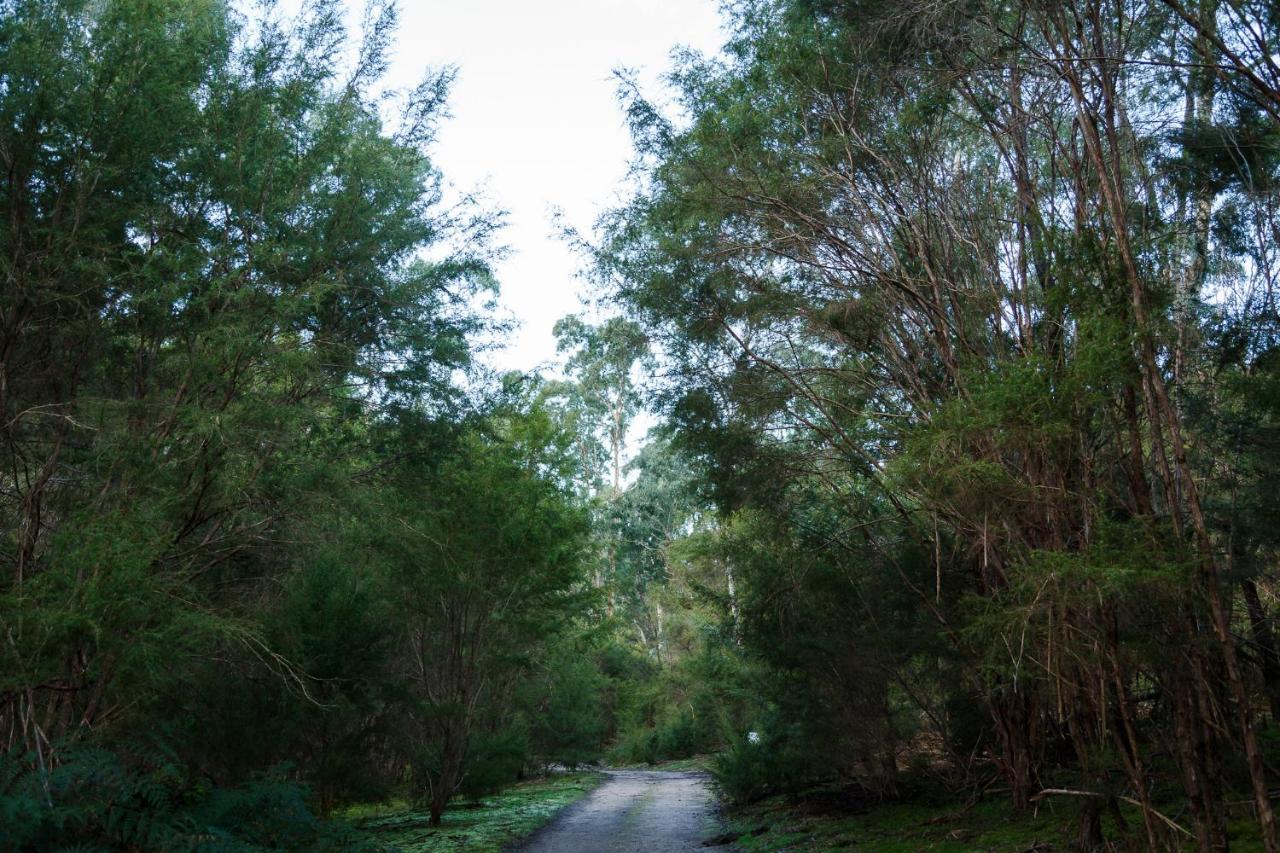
{"x": 484, "y": 825}
{"x": 818, "y": 821}
{"x": 896, "y": 828}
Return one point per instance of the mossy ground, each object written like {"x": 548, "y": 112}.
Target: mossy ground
{"x": 489, "y": 824}
{"x": 819, "y": 820}
{"x": 786, "y": 823}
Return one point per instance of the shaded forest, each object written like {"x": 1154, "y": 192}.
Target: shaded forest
{"x": 959, "y": 322}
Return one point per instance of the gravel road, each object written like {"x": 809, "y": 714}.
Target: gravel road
{"x": 634, "y": 810}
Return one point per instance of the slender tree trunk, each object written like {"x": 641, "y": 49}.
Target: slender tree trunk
{"x": 734, "y": 614}
{"x": 1015, "y": 726}
{"x": 1264, "y": 639}
{"x": 1107, "y": 162}
{"x": 452, "y": 752}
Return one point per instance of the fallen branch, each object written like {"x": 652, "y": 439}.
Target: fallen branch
{"x": 1130, "y": 800}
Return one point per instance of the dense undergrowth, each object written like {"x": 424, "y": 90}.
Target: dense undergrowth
{"x": 837, "y": 818}
{"x": 144, "y": 798}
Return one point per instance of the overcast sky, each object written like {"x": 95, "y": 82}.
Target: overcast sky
{"x": 536, "y": 122}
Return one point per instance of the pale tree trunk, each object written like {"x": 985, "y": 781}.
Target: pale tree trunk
{"x": 658, "y": 633}
{"x": 616, "y": 436}
{"x": 734, "y": 614}
{"x": 1197, "y": 115}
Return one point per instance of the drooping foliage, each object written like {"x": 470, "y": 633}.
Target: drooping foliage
{"x": 966, "y": 313}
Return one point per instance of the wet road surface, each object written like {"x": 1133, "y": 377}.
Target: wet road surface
{"x": 634, "y": 810}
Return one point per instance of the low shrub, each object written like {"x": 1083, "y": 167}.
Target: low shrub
{"x": 680, "y": 734}
{"x": 741, "y": 772}
{"x": 140, "y": 797}
{"x": 778, "y": 758}
{"x": 494, "y": 761}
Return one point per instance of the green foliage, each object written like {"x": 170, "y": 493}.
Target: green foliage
{"x": 564, "y": 708}
{"x": 141, "y": 797}
{"x": 974, "y": 370}
{"x": 966, "y": 326}
{"x": 238, "y": 255}
{"x": 778, "y": 754}
{"x": 494, "y": 761}
{"x": 330, "y": 708}
{"x": 603, "y": 397}
{"x": 480, "y": 556}
{"x": 834, "y": 818}
{"x": 683, "y": 710}
{"x": 742, "y": 771}
{"x": 673, "y": 736}
{"x": 255, "y": 488}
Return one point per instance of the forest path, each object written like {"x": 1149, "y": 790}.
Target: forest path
{"x": 634, "y": 810}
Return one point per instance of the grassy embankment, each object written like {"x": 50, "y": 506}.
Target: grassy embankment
{"x": 827, "y": 819}
{"x": 483, "y": 825}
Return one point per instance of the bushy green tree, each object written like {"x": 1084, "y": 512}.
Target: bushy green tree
{"x": 563, "y": 705}
{"x": 483, "y": 559}
{"x": 246, "y": 503}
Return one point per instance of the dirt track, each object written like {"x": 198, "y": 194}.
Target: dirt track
{"x": 634, "y": 810}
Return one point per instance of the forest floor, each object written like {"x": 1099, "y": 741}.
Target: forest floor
{"x": 818, "y": 821}
{"x": 673, "y": 807}
{"x": 487, "y": 825}
{"x": 831, "y": 819}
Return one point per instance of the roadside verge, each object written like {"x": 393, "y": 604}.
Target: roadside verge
{"x": 487, "y": 825}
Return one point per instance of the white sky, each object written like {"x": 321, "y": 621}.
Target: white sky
{"x": 537, "y": 125}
